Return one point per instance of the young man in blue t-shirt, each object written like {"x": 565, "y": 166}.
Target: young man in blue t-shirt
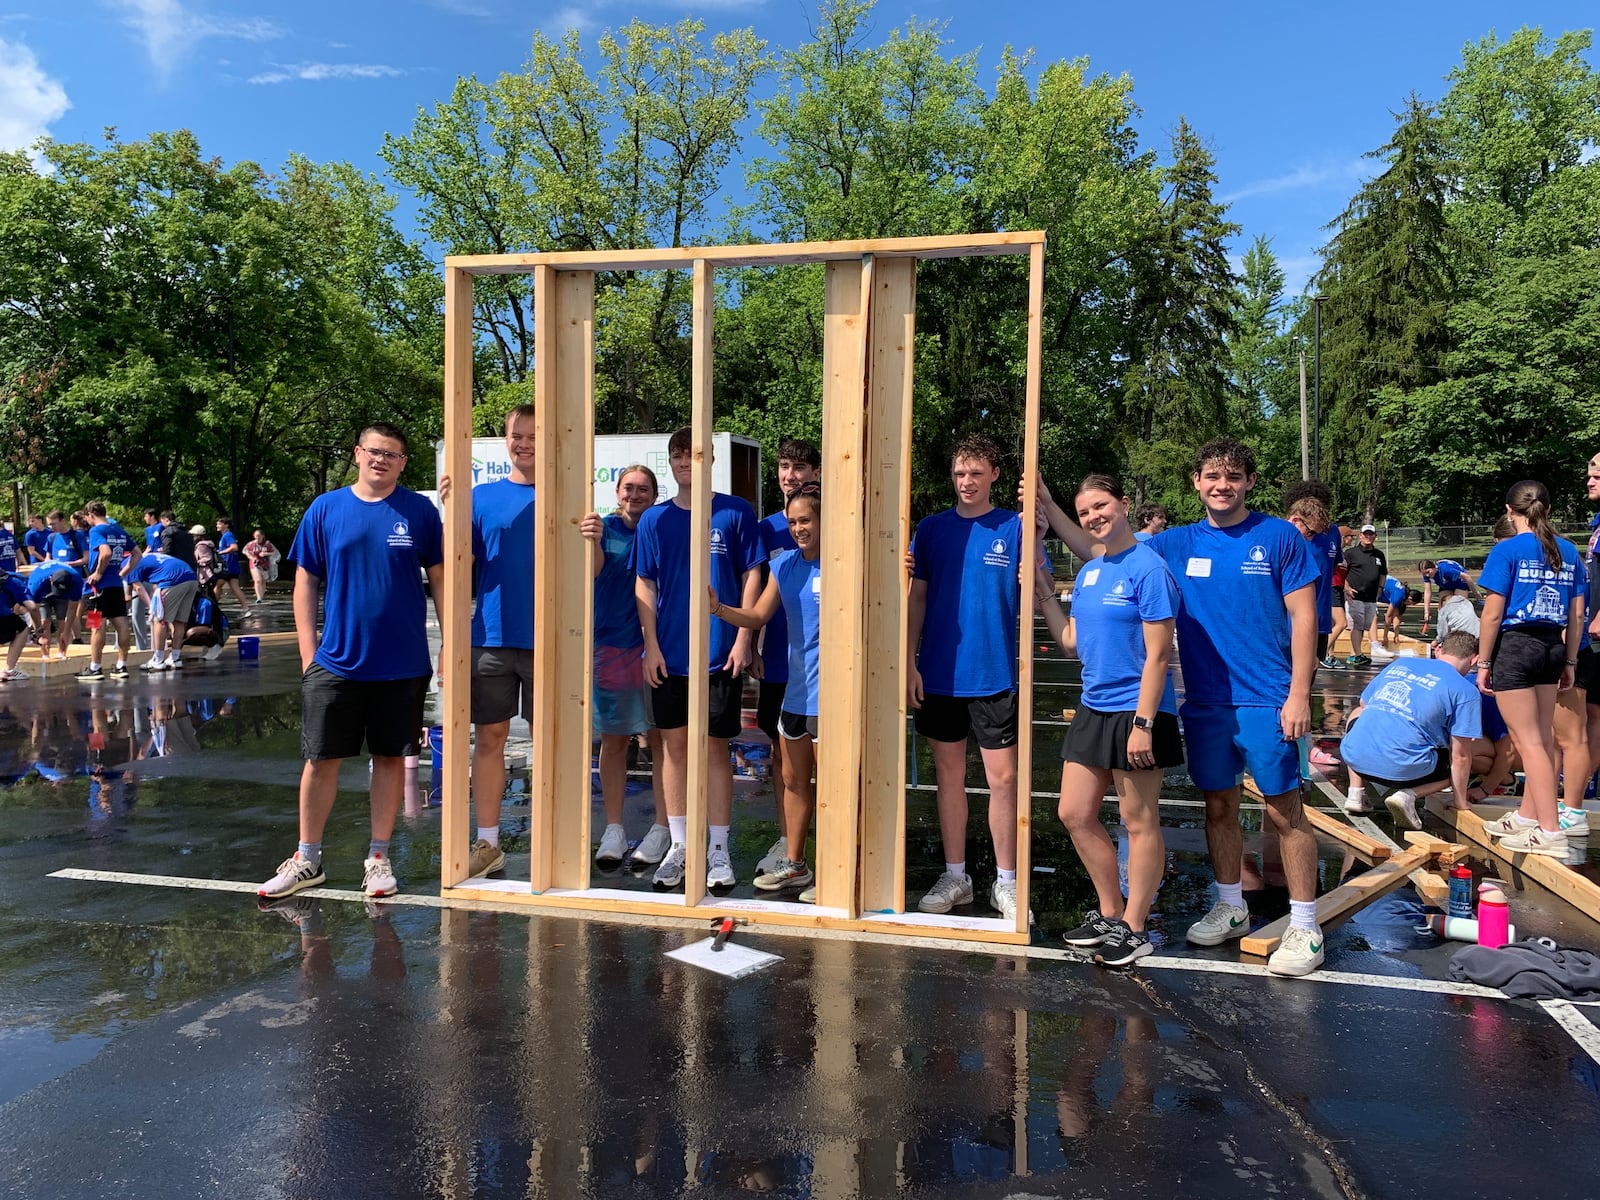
{"x": 502, "y": 631}
{"x": 1417, "y": 722}
{"x": 176, "y": 586}
{"x": 1327, "y": 548}
{"x": 111, "y": 550}
{"x": 365, "y": 547}
{"x": 36, "y": 542}
{"x": 18, "y": 614}
{"x": 228, "y": 563}
{"x": 661, "y": 591}
{"x": 799, "y": 463}
{"x": 63, "y": 546}
{"x": 57, "y": 589}
{"x": 962, "y": 671}
{"x": 1247, "y": 640}
{"x": 1450, "y": 577}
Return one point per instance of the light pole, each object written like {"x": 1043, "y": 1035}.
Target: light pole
{"x": 1316, "y": 389}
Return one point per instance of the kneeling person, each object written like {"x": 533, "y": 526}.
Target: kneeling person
{"x": 1414, "y": 730}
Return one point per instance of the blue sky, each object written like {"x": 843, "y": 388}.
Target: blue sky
{"x": 1288, "y": 96}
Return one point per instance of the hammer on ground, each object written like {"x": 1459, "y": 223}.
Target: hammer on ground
{"x": 723, "y": 926}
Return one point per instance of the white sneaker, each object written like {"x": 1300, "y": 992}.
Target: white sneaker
{"x": 294, "y": 874}
{"x": 174, "y": 664}
{"x": 1534, "y": 840}
{"x": 1300, "y": 952}
{"x": 212, "y": 653}
{"x": 1574, "y": 821}
{"x": 950, "y": 891}
{"x": 155, "y": 664}
{"x": 10, "y": 675}
{"x": 613, "y": 845}
{"x": 1402, "y": 806}
{"x": 1003, "y": 897}
{"x": 719, "y": 868}
{"x": 670, "y": 873}
{"x": 1356, "y": 805}
{"x": 378, "y": 879}
{"x": 1509, "y": 824}
{"x": 654, "y": 846}
{"x": 776, "y": 853}
{"x": 1224, "y": 921}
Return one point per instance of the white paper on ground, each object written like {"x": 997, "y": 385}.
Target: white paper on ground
{"x": 733, "y": 960}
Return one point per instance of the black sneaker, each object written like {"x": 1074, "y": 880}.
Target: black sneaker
{"x": 1094, "y": 930}
{"x": 91, "y": 672}
{"x": 120, "y": 671}
{"x": 1124, "y": 947}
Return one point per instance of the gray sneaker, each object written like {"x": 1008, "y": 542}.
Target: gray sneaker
{"x": 719, "y": 869}
{"x": 652, "y": 848}
{"x": 613, "y": 845}
{"x": 786, "y": 874}
{"x": 484, "y": 859}
{"x": 1224, "y": 921}
{"x": 670, "y": 873}
{"x": 949, "y": 891}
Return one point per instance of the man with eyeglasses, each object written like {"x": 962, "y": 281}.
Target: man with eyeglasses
{"x": 367, "y": 676}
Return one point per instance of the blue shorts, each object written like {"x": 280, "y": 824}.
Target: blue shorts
{"x": 1224, "y": 742}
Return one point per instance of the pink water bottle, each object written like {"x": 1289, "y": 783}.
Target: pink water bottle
{"x": 1494, "y": 915}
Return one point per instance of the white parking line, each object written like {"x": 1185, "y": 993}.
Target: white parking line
{"x": 1574, "y": 1022}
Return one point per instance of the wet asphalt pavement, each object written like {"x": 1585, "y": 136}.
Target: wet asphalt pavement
{"x": 179, "y": 1042}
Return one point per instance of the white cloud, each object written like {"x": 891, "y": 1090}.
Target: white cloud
{"x": 317, "y": 72}
{"x": 169, "y": 30}
{"x": 570, "y": 17}
{"x": 1308, "y": 176}
{"x": 29, "y": 99}
{"x": 464, "y": 8}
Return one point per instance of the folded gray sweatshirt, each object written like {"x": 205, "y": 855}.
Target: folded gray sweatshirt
{"x": 1533, "y": 969}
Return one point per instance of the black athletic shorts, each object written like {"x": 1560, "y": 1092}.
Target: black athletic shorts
{"x": 10, "y": 626}
{"x": 1100, "y": 740}
{"x": 1528, "y": 656}
{"x": 1322, "y": 646}
{"x": 1588, "y": 676}
{"x": 111, "y": 603}
{"x": 768, "y": 708}
{"x": 991, "y": 719}
{"x": 669, "y": 704}
{"x": 794, "y": 726}
{"x": 337, "y": 714}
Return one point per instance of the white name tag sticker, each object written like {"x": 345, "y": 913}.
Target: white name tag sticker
{"x": 1090, "y": 576}
{"x": 816, "y": 585}
{"x": 1198, "y": 568}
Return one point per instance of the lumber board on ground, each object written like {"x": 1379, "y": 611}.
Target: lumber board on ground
{"x": 1447, "y": 852}
{"x": 1576, "y": 888}
{"x": 1325, "y": 822}
{"x": 1430, "y": 885}
{"x": 1349, "y": 897}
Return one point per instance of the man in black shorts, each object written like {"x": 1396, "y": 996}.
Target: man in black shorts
{"x": 110, "y": 550}
{"x": 367, "y": 677}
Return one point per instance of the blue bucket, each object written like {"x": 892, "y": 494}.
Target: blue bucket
{"x": 249, "y": 649}
{"x": 436, "y": 747}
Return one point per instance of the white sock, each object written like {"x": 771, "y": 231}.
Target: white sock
{"x": 1005, "y": 875}
{"x": 490, "y": 834}
{"x": 1302, "y": 914}
{"x": 719, "y": 836}
{"x": 680, "y": 830}
{"x": 1551, "y": 832}
{"x": 612, "y": 825}
{"x": 957, "y": 869}
{"x": 1231, "y": 893}
{"x": 1357, "y": 794}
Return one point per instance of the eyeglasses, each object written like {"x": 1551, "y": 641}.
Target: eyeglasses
{"x": 382, "y": 455}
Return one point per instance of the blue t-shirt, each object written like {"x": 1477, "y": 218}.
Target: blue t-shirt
{"x": 1233, "y": 625}
{"x": 39, "y": 581}
{"x": 116, "y": 538}
{"x": 13, "y": 591}
{"x": 1535, "y": 594}
{"x": 369, "y": 555}
{"x": 969, "y": 631}
{"x": 8, "y": 550}
{"x": 64, "y": 547}
{"x": 775, "y": 540}
{"x": 1393, "y": 591}
{"x": 616, "y": 613}
{"x": 37, "y": 541}
{"x": 152, "y": 536}
{"x": 1409, "y": 713}
{"x": 661, "y": 555}
{"x": 1142, "y": 536}
{"x": 1112, "y": 599}
{"x": 1449, "y": 575}
{"x": 160, "y": 570}
{"x": 1327, "y": 548}
{"x": 800, "y": 586}
{"x": 228, "y": 547}
{"x": 502, "y": 547}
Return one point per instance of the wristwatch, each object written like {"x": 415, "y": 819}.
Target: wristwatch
{"x": 1143, "y": 722}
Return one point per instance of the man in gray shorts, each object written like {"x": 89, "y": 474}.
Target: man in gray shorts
{"x": 502, "y": 631}
{"x": 1366, "y": 569}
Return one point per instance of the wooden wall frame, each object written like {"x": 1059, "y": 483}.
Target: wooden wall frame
{"x": 868, "y": 369}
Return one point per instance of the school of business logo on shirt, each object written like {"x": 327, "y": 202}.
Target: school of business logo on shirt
{"x": 1256, "y": 562}
{"x": 999, "y": 554}
{"x": 400, "y": 535}
{"x": 717, "y": 545}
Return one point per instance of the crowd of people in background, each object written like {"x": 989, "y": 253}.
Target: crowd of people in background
{"x": 83, "y": 573}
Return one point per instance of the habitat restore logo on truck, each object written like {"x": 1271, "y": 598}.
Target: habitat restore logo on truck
{"x": 735, "y": 464}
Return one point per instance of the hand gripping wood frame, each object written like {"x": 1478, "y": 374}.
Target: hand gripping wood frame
{"x": 868, "y": 357}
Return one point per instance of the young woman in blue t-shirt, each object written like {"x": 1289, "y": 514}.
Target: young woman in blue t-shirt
{"x": 1125, "y": 731}
{"x": 794, "y": 585}
{"x": 621, "y": 702}
{"x": 1531, "y": 629}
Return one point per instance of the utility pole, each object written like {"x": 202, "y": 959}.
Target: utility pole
{"x": 1305, "y": 449}
{"x": 1316, "y": 387}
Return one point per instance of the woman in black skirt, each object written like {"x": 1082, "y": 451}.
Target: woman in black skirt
{"x": 1125, "y": 732}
